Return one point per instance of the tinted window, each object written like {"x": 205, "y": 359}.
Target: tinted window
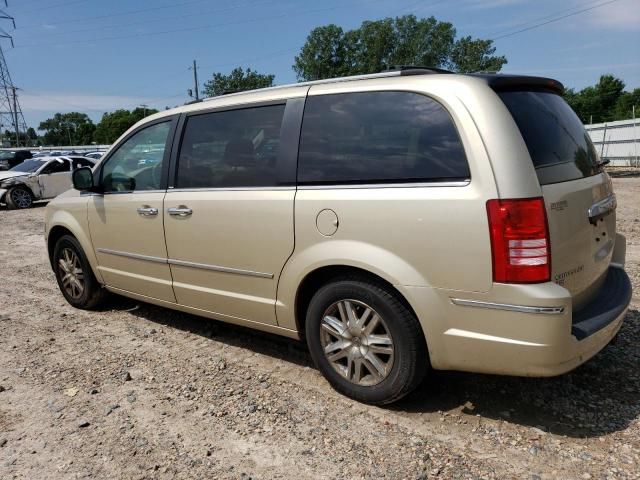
{"x": 137, "y": 163}
{"x": 236, "y": 148}
{"x": 378, "y": 137}
{"x": 81, "y": 162}
{"x": 60, "y": 165}
{"x": 559, "y": 146}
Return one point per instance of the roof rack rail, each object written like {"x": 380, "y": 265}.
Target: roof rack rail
{"x": 415, "y": 70}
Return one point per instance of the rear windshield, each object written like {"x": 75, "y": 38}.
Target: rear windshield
{"x": 558, "y": 143}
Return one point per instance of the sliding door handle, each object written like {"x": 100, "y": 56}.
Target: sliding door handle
{"x": 180, "y": 211}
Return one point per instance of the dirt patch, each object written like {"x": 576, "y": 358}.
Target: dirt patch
{"x": 136, "y": 391}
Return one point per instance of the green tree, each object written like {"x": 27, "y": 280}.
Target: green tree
{"x": 114, "y": 124}
{"x": 603, "y": 102}
{"x": 31, "y": 134}
{"x": 238, "y": 80}
{"x": 72, "y": 128}
{"x": 376, "y": 45}
{"x": 626, "y": 102}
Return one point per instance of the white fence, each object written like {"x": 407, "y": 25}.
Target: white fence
{"x": 618, "y": 142}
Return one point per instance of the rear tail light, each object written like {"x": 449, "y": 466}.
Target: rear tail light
{"x": 520, "y": 246}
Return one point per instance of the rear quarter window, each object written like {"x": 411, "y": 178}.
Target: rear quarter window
{"x": 560, "y": 147}
{"x": 378, "y": 137}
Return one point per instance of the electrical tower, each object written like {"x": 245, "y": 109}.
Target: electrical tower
{"x": 11, "y": 117}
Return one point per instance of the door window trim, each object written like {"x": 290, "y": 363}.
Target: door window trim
{"x": 286, "y": 163}
{"x": 173, "y": 121}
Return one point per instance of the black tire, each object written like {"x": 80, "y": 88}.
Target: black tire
{"x": 19, "y": 198}
{"x": 410, "y": 361}
{"x": 92, "y": 294}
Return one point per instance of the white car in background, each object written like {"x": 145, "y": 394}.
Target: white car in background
{"x": 39, "y": 179}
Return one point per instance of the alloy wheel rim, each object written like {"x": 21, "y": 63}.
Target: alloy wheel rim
{"x": 71, "y": 274}
{"x": 357, "y": 342}
{"x": 21, "y": 198}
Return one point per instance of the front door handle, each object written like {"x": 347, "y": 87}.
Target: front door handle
{"x": 147, "y": 211}
{"x": 180, "y": 211}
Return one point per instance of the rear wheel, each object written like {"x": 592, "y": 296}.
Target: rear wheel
{"x": 19, "y": 197}
{"x": 74, "y": 275}
{"x": 365, "y": 341}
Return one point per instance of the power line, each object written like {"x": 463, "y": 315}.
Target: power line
{"x": 545, "y": 17}
{"x": 554, "y": 20}
{"x": 191, "y": 29}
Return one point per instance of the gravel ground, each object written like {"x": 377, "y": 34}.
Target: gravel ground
{"x": 136, "y": 391}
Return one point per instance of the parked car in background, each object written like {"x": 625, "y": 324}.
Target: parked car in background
{"x": 94, "y": 155}
{"x": 38, "y": 179}
{"x": 11, "y": 159}
{"x": 397, "y": 222}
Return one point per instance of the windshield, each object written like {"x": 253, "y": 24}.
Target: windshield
{"x": 558, "y": 143}
{"x": 28, "y": 166}
{"x": 4, "y": 155}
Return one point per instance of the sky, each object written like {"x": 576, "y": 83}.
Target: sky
{"x": 96, "y": 56}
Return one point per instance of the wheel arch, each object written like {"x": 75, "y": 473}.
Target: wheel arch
{"x": 328, "y": 273}
{"x": 63, "y": 223}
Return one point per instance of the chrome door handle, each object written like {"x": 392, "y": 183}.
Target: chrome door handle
{"x": 180, "y": 211}
{"x": 147, "y": 211}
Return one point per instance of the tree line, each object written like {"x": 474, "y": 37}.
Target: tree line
{"x": 330, "y": 51}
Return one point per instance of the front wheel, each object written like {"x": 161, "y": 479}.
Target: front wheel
{"x": 75, "y": 278}
{"x": 19, "y": 197}
{"x": 366, "y": 341}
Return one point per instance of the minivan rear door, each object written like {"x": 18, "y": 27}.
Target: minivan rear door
{"x": 577, "y": 192}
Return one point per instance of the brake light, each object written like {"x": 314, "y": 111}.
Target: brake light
{"x": 520, "y": 247}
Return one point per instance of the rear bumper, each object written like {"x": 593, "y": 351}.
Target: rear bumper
{"x": 611, "y": 302}
{"x": 547, "y": 341}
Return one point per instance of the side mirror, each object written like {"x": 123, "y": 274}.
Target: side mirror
{"x": 83, "y": 179}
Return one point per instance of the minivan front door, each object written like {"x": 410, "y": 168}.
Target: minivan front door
{"x": 126, "y": 221}
{"x": 229, "y": 217}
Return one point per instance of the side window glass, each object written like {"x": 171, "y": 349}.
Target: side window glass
{"x": 83, "y": 162}
{"x": 58, "y": 166}
{"x": 377, "y": 137}
{"x": 137, "y": 163}
{"x": 236, "y": 148}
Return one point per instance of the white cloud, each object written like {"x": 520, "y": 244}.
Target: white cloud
{"x": 620, "y": 15}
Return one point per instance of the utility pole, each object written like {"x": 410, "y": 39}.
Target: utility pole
{"x": 10, "y": 112}
{"x": 195, "y": 80}
{"x": 144, "y": 109}
{"x": 15, "y": 116}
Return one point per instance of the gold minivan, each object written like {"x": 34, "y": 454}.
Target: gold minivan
{"x": 396, "y": 222}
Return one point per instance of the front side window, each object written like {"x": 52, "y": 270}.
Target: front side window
{"x": 234, "y": 148}
{"x": 137, "y": 163}
{"x": 60, "y": 165}
{"x": 378, "y": 137}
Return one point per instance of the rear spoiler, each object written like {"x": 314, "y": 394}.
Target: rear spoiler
{"x": 502, "y": 83}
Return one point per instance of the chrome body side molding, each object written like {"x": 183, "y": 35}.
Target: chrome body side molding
{"x": 508, "y": 307}
{"x": 182, "y": 263}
